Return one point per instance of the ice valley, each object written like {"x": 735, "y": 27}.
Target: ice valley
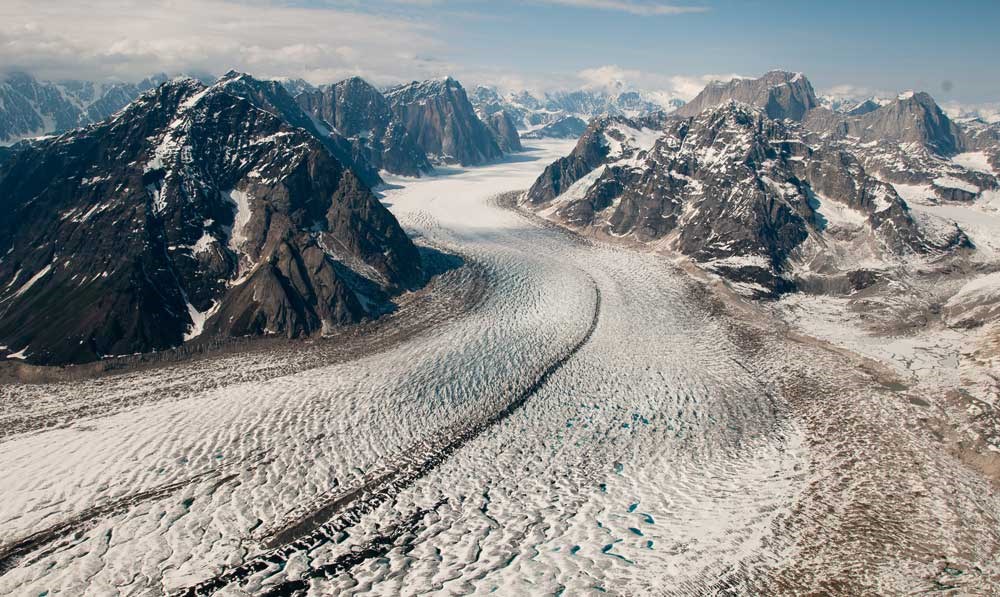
{"x": 595, "y": 420}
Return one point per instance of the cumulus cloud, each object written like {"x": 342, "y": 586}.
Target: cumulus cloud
{"x": 850, "y": 92}
{"x": 614, "y": 77}
{"x": 988, "y": 111}
{"x": 129, "y": 39}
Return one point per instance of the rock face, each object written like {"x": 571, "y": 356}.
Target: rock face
{"x": 297, "y": 86}
{"x": 504, "y": 130}
{"x": 780, "y": 94}
{"x": 985, "y": 138}
{"x": 359, "y": 112}
{"x": 739, "y": 192}
{"x": 907, "y": 141}
{"x": 569, "y": 127}
{"x": 29, "y": 108}
{"x": 864, "y": 107}
{"x": 194, "y": 211}
{"x": 444, "y": 123}
{"x": 273, "y": 97}
{"x": 911, "y": 118}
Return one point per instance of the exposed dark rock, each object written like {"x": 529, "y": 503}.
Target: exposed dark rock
{"x": 442, "y": 120}
{"x": 732, "y": 188}
{"x": 273, "y": 97}
{"x": 504, "y": 131}
{"x": 193, "y": 206}
{"x": 359, "y": 112}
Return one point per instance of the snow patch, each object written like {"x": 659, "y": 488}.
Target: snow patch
{"x": 241, "y": 217}
{"x": 949, "y": 182}
{"x": 198, "y": 319}
{"x": 20, "y": 355}
{"x": 974, "y": 160}
{"x": 31, "y": 282}
{"x": 838, "y": 215}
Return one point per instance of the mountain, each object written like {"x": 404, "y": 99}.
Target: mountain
{"x": 504, "y": 130}
{"x": 530, "y": 112}
{"x": 297, "y": 86}
{"x": 192, "y": 212}
{"x": 742, "y": 194}
{"x": 907, "y": 141}
{"x": 864, "y": 107}
{"x": 274, "y": 97}
{"x": 568, "y": 127}
{"x": 853, "y": 106}
{"x": 985, "y": 138}
{"x": 444, "y": 123}
{"x": 360, "y": 112}
{"x": 30, "y": 108}
{"x": 910, "y": 118}
{"x": 779, "y": 93}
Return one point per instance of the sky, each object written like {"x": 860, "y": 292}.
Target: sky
{"x": 949, "y": 49}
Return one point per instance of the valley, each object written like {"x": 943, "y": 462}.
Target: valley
{"x": 598, "y": 420}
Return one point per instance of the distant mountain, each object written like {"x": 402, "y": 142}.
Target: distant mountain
{"x": 910, "y": 118}
{"x": 358, "y": 111}
{"x": 531, "y": 112}
{"x": 568, "y": 127}
{"x": 195, "y": 211}
{"x": 297, "y": 86}
{"x": 30, "y": 108}
{"x": 909, "y": 141}
{"x": 741, "y": 193}
{"x": 851, "y": 105}
{"x": 444, "y": 123}
{"x": 780, "y": 94}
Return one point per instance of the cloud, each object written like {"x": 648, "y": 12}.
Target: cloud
{"x": 988, "y": 111}
{"x": 613, "y": 77}
{"x": 129, "y": 39}
{"x": 635, "y": 7}
{"x": 852, "y": 92}
{"x": 608, "y": 77}
{"x": 686, "y": 87}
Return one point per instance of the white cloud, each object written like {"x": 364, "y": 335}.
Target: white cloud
{"x": 130, "y": 39}
{"x": 852, "y": 92}
{"x": 636, "y": 7}
{"x": 613, "y": 77}
{"x": 686, "y": 87}
{"x": 608, "y": 77}
{"x": 990, "y": 111}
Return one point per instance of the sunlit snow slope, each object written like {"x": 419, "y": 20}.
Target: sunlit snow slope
{"x": 597, "y": 423}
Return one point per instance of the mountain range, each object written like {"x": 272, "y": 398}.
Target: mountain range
{"x": 228, "y": 209}
{"x": 758, "y": 182}
{"x": 245, "y": 206}
{"x": 557, "y": 114}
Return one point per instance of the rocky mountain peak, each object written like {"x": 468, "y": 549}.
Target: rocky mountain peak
{"x": 911, "y": 118}
{"x": 781, "y": 94}
{"x": 195, "y": 210}
{"x": 359, "y": 112}
{"x": 443, "y": 121}
{"x": 743, "y": 194}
